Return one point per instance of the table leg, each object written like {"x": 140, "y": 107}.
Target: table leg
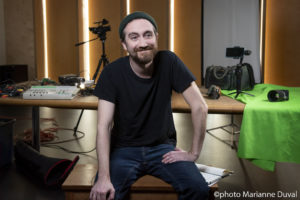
{"x": 36, "y": 128}
{"x": 232, "y": 132}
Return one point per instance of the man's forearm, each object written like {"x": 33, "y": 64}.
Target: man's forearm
{"x": 199, "y": 116}
{"x": 103, "y": 151}
{"x": 103, "y": 186}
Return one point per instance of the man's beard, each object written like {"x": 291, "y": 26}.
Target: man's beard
{"x": 144, "y": 55}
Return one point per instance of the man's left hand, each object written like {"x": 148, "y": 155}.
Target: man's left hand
{"x": 178, "y": 155}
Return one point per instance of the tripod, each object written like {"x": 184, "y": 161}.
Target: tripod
{"x": 103, "y": 60}
{"x": 238, "y": 73}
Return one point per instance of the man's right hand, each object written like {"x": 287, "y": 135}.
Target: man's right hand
{"x": 102, "y": 190}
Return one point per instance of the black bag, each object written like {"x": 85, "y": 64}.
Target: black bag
{"x": 225, "y": 77}
{"x": 48, "y": 171}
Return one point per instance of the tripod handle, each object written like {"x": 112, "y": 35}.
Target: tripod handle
{"x": 238, "y": 73}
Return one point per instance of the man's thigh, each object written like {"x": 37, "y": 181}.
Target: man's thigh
{"x": 180, "y": 175}
{"x": 125, "y": 164}
{"x": 183, "y": 175}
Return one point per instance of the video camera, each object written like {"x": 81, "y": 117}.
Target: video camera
{"x": 237, "y": 52}
{"x": 101, "y": 29}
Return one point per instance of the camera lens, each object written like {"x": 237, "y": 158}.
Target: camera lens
{"x": 278, "y": 95}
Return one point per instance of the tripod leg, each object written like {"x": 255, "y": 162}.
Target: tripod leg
{"x": 97, "y": 70}
{"x": 237, "y": 94}
{"x": 76, "y": 127}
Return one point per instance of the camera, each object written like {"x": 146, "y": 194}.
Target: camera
{"x": 70, "y": 79}
{"x": 101, "y": 29}
{"x": 278, "y": 95}
{"x": 237, "y": 52}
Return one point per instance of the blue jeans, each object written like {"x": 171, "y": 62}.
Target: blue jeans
{"x": 130, "y": 163}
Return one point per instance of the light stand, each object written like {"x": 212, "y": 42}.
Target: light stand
{"x": 101, "y": 31}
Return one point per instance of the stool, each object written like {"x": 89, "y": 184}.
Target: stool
{"x": 79, "y": 183}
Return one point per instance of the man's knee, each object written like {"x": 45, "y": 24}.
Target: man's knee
{"x": 202, "y": 192}
{"x": 198, "y": 190}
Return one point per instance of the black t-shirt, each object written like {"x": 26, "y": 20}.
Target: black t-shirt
{"x": 143, "y": 113}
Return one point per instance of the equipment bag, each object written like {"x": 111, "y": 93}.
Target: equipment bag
{"x": 225, "y": 77}
{"x": 48, "y": 171}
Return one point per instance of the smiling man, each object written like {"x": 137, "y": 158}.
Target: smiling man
{"x": 136, "y": 133}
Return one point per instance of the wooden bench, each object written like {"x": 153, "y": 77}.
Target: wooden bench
{"x": 78, "y": 185}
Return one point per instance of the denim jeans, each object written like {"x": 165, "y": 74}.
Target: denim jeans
{"x": 130, "y": 163}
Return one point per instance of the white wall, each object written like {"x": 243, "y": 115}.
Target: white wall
{"x": 229, "y": 23}
{"x": 2, "y": 35}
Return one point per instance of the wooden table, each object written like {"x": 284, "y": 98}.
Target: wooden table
{"x": 224, "y": 105}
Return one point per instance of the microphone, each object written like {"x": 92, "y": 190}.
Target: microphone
{"x": 247, "y": 52}
{"x": 80, "y": 43}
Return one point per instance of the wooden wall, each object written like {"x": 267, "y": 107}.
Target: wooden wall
{"x": 62, "y": 33}
{"x": 64, "y": 29}
{"x": 282, "y": 42}
{"x": 188, "y": 34}
{"x": 24, "y": 35}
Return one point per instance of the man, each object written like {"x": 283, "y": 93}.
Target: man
{"x": 136, "y": 133}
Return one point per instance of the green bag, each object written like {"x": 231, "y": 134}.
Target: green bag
{"x": 225, "y": 77}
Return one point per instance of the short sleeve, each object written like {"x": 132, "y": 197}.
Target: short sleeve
{"x": 182, "y": 77}
{"x": 105, "y": 89}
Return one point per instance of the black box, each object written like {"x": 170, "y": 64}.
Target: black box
{"x": 17, "y": 73}
{"x": 6, "y": 141}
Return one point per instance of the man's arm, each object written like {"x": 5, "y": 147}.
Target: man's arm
{"x": 194, "y": 98}
{"x": 103, "y": 188}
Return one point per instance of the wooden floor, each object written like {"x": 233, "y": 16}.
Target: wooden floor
{"x": 247, "y": 177}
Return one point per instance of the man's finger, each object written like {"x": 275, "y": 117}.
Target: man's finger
{"x": 111, "y": 195}
{"x": 103, "y": 196}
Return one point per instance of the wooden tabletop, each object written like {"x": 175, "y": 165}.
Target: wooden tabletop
{"x": 223, "y": 105}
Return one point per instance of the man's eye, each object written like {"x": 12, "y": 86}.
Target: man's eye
{"x": 148, "y": 35}
{"x": 133, "y": 37}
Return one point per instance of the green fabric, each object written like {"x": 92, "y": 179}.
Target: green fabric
{"x": 270, "y": 131}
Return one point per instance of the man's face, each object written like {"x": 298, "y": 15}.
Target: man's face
{"x": 140, "y": 41}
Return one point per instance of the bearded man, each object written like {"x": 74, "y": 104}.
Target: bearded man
{"x": 136, "y": 133}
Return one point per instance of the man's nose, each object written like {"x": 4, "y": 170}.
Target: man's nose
{"x": 143, "y": 42}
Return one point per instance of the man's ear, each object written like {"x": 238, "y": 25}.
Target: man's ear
{"x": 124, "y": 46}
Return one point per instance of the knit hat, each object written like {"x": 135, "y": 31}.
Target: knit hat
{"x": 135, "y": 15}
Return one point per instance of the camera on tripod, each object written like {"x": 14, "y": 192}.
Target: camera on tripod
{"x": 101, "y": 29}
{"x": 101, "y": 32}
{"x": 238, "y": 53}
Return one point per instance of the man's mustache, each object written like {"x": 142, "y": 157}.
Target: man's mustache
{"x": 143, "y": 48}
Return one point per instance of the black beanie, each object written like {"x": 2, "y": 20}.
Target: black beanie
{"x": 135, "y": 15}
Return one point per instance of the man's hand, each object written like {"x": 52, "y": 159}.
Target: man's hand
{"x": 179, "y": 155}
{"x": 102, "y": 190}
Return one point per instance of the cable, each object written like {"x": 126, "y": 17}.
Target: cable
{"x": 49, "y": 134}
{"x": 68, "y": 140}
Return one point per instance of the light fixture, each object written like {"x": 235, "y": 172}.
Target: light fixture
{"x": 86, "y": 47}
{"x": 127, "y": 7}
{"x": 171, "y": 41}
{"x": 45, "y": 39}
